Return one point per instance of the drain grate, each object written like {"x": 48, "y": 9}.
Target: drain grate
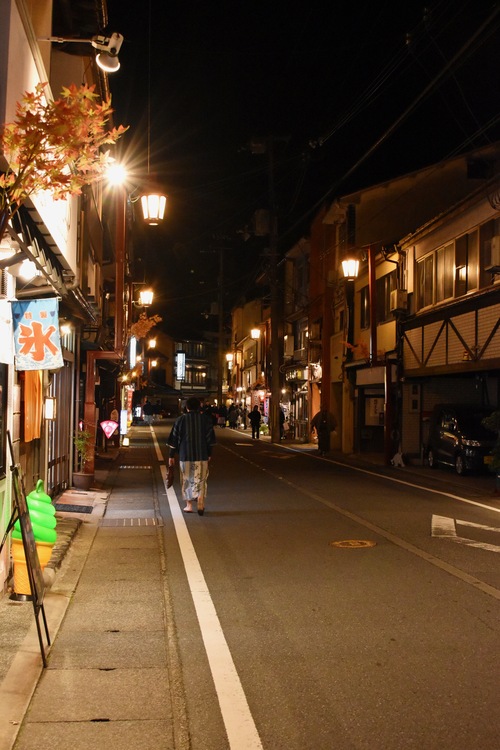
{"x": 68, "y": 508}
{"x": 134, "y": 467}
{"x": 126, "y": 522}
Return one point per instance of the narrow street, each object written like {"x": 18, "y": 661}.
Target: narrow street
{"x": 344, "y": 623}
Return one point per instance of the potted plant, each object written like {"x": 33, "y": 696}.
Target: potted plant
{"x": 84, "y": 443}
{"x": 493, "y": 423}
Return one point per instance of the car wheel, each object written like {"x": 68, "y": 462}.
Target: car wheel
{"x": 459, "y": 464}
{"x": 431, "y": 459}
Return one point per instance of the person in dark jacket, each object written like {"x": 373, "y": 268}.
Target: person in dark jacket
{"x": 192, "y": 437}
{"x": 255, "y": 417}
{"x": 324, "y": 423}
{"x": 147, "y": 411}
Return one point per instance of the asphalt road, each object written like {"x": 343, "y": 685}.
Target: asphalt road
{"x": 321, "y": 607}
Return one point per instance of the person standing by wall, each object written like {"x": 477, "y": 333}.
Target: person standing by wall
{"x": 282, "y": 424}
{"x": 324, "y": 423}
{"x": 255, "y": 417}
{"x": 192, "y": 437}
{"x": 244, "y": 415}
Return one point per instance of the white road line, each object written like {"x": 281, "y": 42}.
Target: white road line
{"x": 404, "y": 482}
{"x": 240, "y": 727}
{"x": 241, "y": 731}
{"x": 445, "y": 528}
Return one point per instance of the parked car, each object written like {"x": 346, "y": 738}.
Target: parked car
{"x": 457, "y": 438}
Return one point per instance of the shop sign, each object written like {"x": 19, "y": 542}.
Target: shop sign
{"x": 180, "y": 366}
{"x": 37, "y": 343}
{"x": 299, "y": 373}
{"x": 109, "y": 427}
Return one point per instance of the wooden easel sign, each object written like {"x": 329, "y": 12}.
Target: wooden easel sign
{"x": 35, "y": 573}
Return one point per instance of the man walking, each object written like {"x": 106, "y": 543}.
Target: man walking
{"x": 255, "y": 417}
{"x": 192, "y": 438}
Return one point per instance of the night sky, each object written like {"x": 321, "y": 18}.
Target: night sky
{"x": 351, "y": 93}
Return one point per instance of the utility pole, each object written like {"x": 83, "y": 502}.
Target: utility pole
{"x": 220, "y": 348}
{"x": 259, "y": 147}
{"x": 221, "y": 360}
{"x": 274, "y": 413}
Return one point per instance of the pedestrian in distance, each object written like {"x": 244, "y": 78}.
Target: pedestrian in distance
{"x": 192, "y": 437}
{"x": 282, "y": 424}
{"x": 255, "y": 418}
{"x": 232, "y": 416}
{"x": 156, "y": 410}
{"x": 244, "y": 415}
{"x": 147, "y": 411}
{"x": 323, "y": 423}
{"x": 222, "y": 416}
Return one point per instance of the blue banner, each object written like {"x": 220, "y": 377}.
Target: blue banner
{"x": 37, "y": 344}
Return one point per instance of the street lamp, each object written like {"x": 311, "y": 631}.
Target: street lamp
{"x": 117, "y": 177}
{"x": 350, "y": 269}
{"x": 108, "y": 46}
{"x": 153, "y": 207}
{"x": 145, "y": 298}
{"x": 153, "y": 201}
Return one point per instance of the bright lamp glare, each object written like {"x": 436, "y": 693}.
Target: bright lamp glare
{"x": 28, "y": 270}
{"x": 146, "y": 297}
{"x": 116, "y": 174}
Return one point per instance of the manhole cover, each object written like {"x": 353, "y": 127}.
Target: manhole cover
{"x": 353, "y": 543}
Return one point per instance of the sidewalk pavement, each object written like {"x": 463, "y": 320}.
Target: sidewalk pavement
{"x": 108, "y": 607}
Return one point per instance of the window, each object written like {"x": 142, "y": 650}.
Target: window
{"x": 425, "y": 281}
{"x": 449, "y": 272}
{"x": 385, "y": 286}
{"x": 301, "y": 281}
{"x": 365, "y": 307}
{"x": 445, "y": 266}
{"x": 302, "y": 334}
{"x": 466, "y": 261}
{"x": 195, "y": 377}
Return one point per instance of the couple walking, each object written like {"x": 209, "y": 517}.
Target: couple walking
{"x": 192, "y": 438}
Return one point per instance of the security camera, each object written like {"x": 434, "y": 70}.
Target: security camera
{"x": 107, "y": 58}
{"x": 110, "y": 45}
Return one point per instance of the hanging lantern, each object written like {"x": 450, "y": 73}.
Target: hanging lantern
{"x": 153, "y": 207}
{"x": 350, "y": 268}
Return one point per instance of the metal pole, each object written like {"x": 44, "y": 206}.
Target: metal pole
{"x": 372, "y": 287}
{"x": 220, "y": 358}
{"x": 275, "y": 306}
{"x": 89, "y": 415}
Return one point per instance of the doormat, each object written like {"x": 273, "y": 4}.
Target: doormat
{"x": 67, "y": 508}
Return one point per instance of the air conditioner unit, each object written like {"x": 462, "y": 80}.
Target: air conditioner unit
{"x": 7, "y": 285}
{"x": 399, "y": 300}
